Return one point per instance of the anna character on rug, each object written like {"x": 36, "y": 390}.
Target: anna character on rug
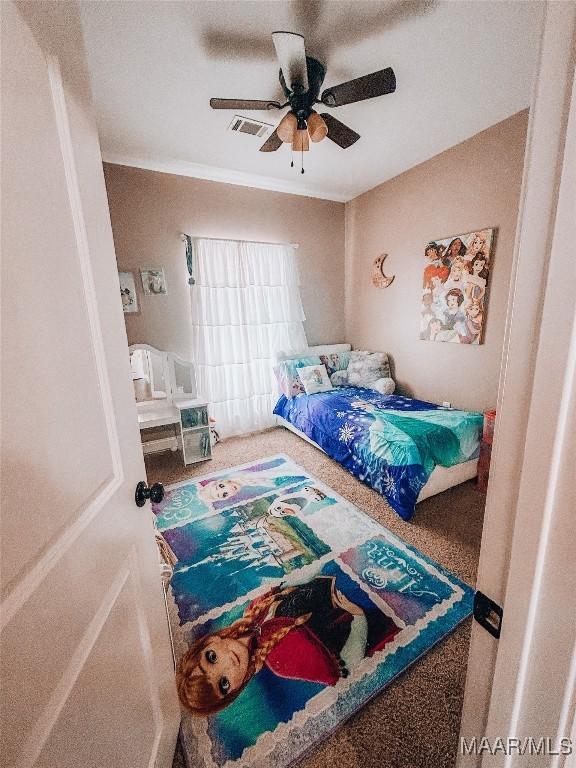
{"x": 309, "y": 632}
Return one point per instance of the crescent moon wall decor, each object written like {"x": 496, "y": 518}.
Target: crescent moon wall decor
{"x": 379, "y": 279}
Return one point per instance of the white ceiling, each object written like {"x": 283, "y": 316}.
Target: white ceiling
{"x": 461, "y": 67}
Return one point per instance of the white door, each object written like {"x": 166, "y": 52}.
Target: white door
{"x": 515, "y": 686}
{"x": 87, "y": 676}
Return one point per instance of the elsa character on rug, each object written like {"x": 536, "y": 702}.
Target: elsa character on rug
{"x": 310, "y": 632}
{"x": 209, "y": 496}
{"x": 218, "y": 492}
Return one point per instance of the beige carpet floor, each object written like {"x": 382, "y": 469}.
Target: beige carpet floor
{"x": 414, "y": 722}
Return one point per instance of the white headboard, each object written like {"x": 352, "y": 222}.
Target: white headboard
{"x": 328, "y": 349}
{"x": 321, "y": 349}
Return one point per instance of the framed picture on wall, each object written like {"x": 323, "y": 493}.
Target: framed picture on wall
{"x": 153, "y": 281}
{"x": 455, "y": 287}
{"x": 128, "y": 293}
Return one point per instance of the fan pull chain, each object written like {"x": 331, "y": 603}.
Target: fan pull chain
{"x": 302, "y": 162}
{"x": 292, "y": 154}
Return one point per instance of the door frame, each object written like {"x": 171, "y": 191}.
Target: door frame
{"x": 527, "y": 487}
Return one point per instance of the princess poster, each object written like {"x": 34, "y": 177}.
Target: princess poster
{"x": 455, "y": 287}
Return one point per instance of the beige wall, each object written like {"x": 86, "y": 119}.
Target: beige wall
{"x": 471, "y": 186}
{"x": 149, "y": 210}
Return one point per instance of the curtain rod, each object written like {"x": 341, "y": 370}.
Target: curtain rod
{"x": 232, "y": 240}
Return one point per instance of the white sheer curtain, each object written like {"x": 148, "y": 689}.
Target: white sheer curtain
{"x": 246, "y": 308}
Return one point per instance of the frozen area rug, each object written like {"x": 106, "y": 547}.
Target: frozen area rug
{"x": 290, "y": 609}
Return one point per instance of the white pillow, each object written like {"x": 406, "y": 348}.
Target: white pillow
{"x": 385, "y": 386}
{"x": 315, "y": 379}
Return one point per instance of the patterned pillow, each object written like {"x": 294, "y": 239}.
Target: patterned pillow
{"x": 367, "y": 367}
{"x": 339, "y": 379}
{"x": 336, "y": 361}
{"x": 315, "y": 379}
{"x": 287, "y": 374}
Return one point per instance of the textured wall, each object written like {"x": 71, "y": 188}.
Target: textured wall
{"x": 471, "y": 186}
{"x": 150, "y": 209}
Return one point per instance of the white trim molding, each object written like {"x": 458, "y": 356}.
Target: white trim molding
{"x": 225, "y": 176}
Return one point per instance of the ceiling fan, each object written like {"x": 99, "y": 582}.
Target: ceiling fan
{"x": 301, "y": 78}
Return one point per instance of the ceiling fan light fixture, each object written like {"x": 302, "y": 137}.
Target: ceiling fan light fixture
{"x": 317, "y": 127}
{"x": 300, "y": 142}
{"x": 301, "y": 78}
{"x": 287, "y": 128}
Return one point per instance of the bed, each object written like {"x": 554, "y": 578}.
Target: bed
{"x": 405, "y": 449}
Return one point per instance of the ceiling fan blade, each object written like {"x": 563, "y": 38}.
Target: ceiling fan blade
{"x": 340, "y": 133}
{"x": 272, "y": 143}
{"x": 291, "y": 55}
{"x": 366, "y": 87}
{"x": 244, "y": 104}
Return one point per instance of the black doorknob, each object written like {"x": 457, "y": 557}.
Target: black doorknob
{"x": 155, "y": 493}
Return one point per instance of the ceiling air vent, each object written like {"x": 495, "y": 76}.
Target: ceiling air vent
{"x": 250, "y": 126}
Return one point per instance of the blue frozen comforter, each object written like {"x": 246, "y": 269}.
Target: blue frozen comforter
{"x": 391, "y": 443}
